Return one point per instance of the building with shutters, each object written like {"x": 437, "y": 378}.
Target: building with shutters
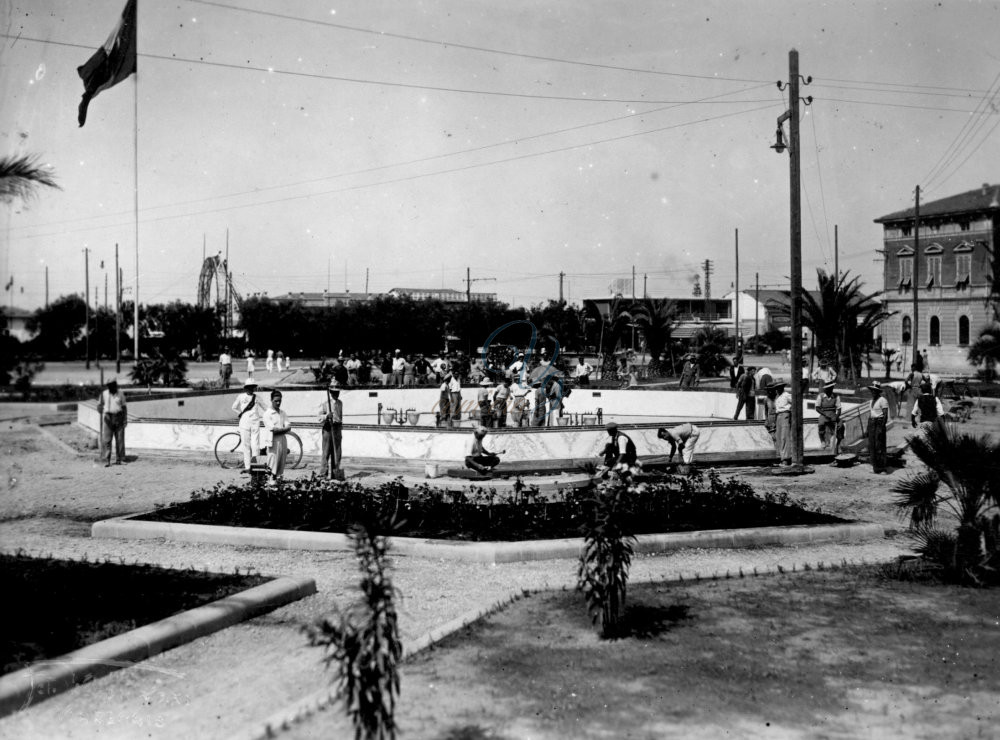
{"x": 948, "y": 269}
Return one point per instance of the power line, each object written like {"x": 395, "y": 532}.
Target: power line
{"x": 410, "y": 178}
{"x": 470, "y": 47}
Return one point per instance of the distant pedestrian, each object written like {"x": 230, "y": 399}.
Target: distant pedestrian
{"x": 455, "y": 398}
{"x": 444, "y": 401}
{"x": 745, "y": 393}
{"x": 114, "y": 419}
{"x": 225, "y": 368}
{"x": 927, "y": 409}
{"x": 771, "y": 412}
{"x": 689, "y": 373}
{"x": 398, "y": 367}
{"x": 927, "y": 363}
{"x": 249, "y": 412}
{"x": 250, "y": 366}
{"x": 501, "y": 400}
{"x": 538, "y": 404}
{"x": 878, "y": 418}
{"x": 485, "y": 402}
{"x": 583, "y": 371}
{"x": 278, "y": 358}
{"x": 269, "y": 363}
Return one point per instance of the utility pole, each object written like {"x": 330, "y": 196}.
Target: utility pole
{"x": 645, "y": 292}
{"x": 366, "y": 281}
{"x": 561, "y": 276}
{"x": 836, "y": 253}
{"x": 915, "y": 331}
{"x": 118, "y": 314}
{"x": 708, "y": 288}
{"x": 468, "y": 285}
{"x": 756, "y": 306}
{"x": 795, "y": 228}
{"x": 46, "y": 286}
{"x": 105, "y": 290}
{"x": 225, "y": 271}
{"x": 86, "y": 300}
{"x": 736, "y": 295}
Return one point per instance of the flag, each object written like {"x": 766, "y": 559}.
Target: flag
{"x": 110, "y": 64}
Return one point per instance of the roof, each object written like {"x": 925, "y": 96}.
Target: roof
{"x": 983, "y": 199}
{"x": 424, "y": 290}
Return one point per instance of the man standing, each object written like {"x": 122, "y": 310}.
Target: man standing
{"x": 111, "y": 408}
{"x": 783, "y": 422}
{"x": 455, "y": 392}
{"x": 398, "y": 366}
{"x": 583, "y": 371}
{"x": 485, "y": 403}
{"x": 515, "y": 368}
{"x": 331, "y": 416}
{"x": 353, "y": 366}
{"x": 682, "y": 439}
{"x": 828, "y": 408}
{"x": 501, "y": 399}
{"x": 276, "y": 426}
{"x": 225, "y": 367}
{"x": 249, "y": 411}
{"x": 878, "y": 417}
{"x": 444, "y": 402}
{"x": 927, "y": 409}
{"x": 689, "y": 373}
{"x": 745, "y": 394}
{"x": 269, "y": 363}
{"x": 538, "y": 404}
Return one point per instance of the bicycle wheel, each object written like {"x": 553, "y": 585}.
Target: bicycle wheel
{"x": 228, "y": 450}
{"x": 294, "y": 456}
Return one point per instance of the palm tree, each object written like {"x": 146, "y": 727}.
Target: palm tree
{"x": 985, "y": 351}
{"x": 20, "y": 177}
{"x": 655, "y": 318}
{"x": 967, "y": 465}
{"x": 613, "y": 328}
{"x": 711, "y": 343}
{"x": 842, "y": 319}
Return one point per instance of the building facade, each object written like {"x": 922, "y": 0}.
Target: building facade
{"x": 949, "y": 271}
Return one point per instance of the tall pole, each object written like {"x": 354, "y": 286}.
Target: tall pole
{"x": 105, "y": 290}
{"x": 86, "y": 301}
{"x": 756, "y": 306}
{"x": 916, "y": 276}
{"x": 118, "y": 314}
{"x": 736, "y": 295}
{"x": 135, "y": 133}
{"x": 836, "y": 253}
{"x": 366, "y": 281}
{"x": 645, "y": 291}
{"x": 468, "y": 285}
{"x": 46, "y": 286}
{"x": 633, "y": 301}
{"x": 561, "y": 276}
{"x": 795, "y": 227}
{"x": 225, "y": 318}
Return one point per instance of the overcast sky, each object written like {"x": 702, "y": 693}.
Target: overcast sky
{"x": 413, "y": 140}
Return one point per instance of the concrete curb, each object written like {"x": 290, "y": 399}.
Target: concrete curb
{"x": 47, "y": 678}
{"x": 482, "y": 552}
{"x": 284, "y": 719}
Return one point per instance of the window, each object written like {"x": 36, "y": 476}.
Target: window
{"x": 935, "y": 331}
{"x": 905, "y": 272}
{"x": 963, "y": 270}
{"x": 934, "y": 271}
{"x": 907, "y": 333}
{"x": 963, "y": 330}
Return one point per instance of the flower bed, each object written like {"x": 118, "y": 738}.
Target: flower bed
{"x": 671, "y": 504}
{"x": 63, "y": 605}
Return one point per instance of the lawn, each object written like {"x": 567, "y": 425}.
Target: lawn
{"x": 63, "y": 605}
{"x": 834, "y": 654}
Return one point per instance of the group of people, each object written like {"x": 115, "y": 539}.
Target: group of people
{"x": 525, "y": 403}
{"x": 275, "y": 362}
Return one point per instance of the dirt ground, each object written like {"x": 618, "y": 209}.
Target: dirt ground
{"x": 228, "y": 682}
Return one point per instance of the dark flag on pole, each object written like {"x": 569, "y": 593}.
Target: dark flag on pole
{"x": 112, "y": 63}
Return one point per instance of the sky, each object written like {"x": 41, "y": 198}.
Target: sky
{"x": 374, "y": 144}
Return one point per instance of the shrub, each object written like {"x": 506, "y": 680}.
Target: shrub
{"x": 363, "y": 641}
{"x": 602, "y": 576}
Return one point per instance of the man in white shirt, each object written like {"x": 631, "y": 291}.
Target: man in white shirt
{"x": 877, "y": 420}
{"x": 249, "y": 411}
{"x": 398, "y": 366}
{"x": 455, "y": 393}
{"x": 583, "y": 371}
{"x": 225, "y": 367}
{"x": 783, "y": 421}
{"x": 331, "y": 416}
{"x": 515, "y": 368}
{"x": 111, "y": 409}
{"x": 276, "y": 426}
{"x": 682, "y": 439}
{"x": 353, "y": 365}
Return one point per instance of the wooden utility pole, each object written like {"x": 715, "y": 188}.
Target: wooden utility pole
{"x": 46, "y": 286}
{"x": 118, "y": 314}
{"x": 915, "y": 329}
{"x": 86, "y": 301}
{"x": 756, "y": 306}
{"x": 836, "y": 254}
{"x": 736, "y": 296}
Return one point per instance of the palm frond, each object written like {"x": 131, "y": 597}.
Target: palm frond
{"x": 20, "y": 177}
{"x": 918, "y": 494}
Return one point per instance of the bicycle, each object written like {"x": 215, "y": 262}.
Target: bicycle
{"x": 229, "y": 450}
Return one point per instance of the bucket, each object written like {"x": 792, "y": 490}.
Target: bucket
{"x": 413, "y": 417}
{"x": 388, "y": 418}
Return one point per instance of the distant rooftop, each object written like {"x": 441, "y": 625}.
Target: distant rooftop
{"x": 982, "y": 199}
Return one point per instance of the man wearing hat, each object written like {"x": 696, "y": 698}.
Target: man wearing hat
{"x": 620, "y": 449}
{"x": 331, "y": 416}
{"x": 111, "y": 409}
{"x": 485, "y": 403}
{"x": 249, "y": 410}
{"x": 538, "y": 403}
{"x": 770, "y": 412}
{"x": 689, "y": 373}
{"x": 479, "y": 458}
{"x": 515, "y": 368}
{"x": 783, "y": 421}
{"x": 828, "y": 408}
{"x": 444, "y": 401}
{"x": 455, "y": 395}
{"x": 501, "y": 400}
{"x": 877, "y": 420}
{"x": 398, "y": 367}
{"x": 927, "y": 409}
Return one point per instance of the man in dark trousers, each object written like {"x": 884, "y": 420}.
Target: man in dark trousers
{"x": 877, "y": 420}
{"x": 620, "y": 450}
{"x": 331, "y": 416}
{"x": 111, "y": 408}
{"x": 745, "y": 393}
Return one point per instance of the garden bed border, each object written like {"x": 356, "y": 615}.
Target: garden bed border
{"x": 126, "y": 527}
{"x": 47, "y": 678}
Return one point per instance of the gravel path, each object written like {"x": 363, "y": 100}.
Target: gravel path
{"x": 228, "y": 683}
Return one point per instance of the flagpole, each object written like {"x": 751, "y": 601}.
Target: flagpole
{"x": 135, "y": 149}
